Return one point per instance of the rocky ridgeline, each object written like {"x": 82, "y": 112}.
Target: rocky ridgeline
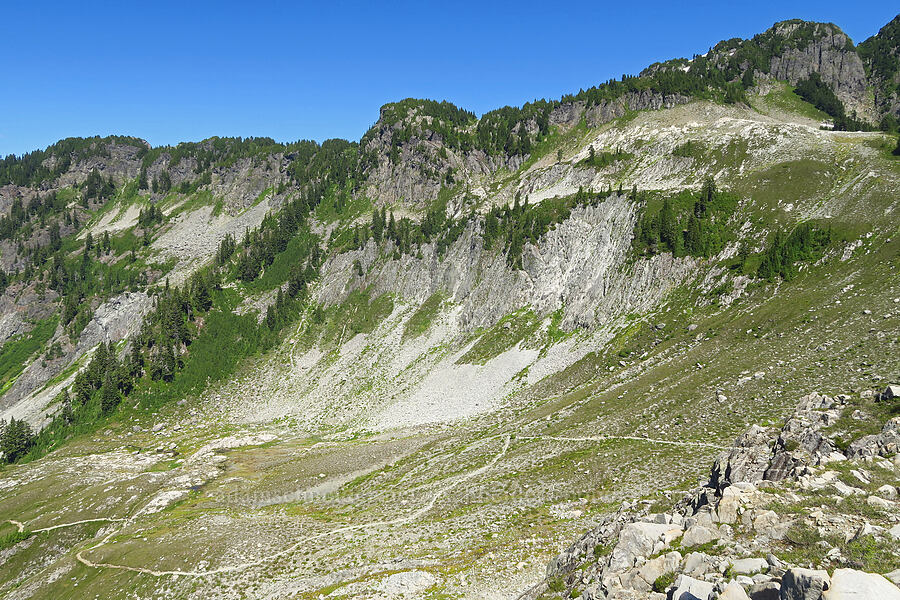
{"x": 776, "y": 515}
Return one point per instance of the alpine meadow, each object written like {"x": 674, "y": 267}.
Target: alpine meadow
{"x": 638, "y": 342}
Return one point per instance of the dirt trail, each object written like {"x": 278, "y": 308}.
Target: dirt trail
{"x": 21, "y": 526}
{"x": 606, "y": 438}
{"x": 242, "y": 566}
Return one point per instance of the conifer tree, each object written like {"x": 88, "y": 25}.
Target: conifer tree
{"x": 15, "y": 440}
{"x": 668, "y": 227}
{"x": 109, "y": 393}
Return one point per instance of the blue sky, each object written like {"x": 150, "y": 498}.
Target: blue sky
{"x": 180, "y": 71}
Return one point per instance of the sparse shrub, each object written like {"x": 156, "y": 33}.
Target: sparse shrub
{"x": 663, "y": 582}
{"x": 11, "y": 539}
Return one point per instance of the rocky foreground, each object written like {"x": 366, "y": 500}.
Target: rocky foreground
{"x": 800, "y": 513}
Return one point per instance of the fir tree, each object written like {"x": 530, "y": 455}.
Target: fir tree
{"x": 109, "y": 393}
{"x": 15, "y": 440}
{"x": 668, "y": 227}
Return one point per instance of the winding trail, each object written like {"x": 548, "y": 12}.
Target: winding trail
{"x": 21, "y": 526}
{"x": 606, "y": 438}
{"x": 245, "y": 565}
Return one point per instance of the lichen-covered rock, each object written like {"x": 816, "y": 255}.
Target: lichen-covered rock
{"x": 640, "y": 540}
{"x": 733, "y": 591}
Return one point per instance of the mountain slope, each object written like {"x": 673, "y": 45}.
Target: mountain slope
{"x": 429, "y": 360}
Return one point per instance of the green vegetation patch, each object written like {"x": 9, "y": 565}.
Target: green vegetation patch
{"x": 15, "y": 353}
{"x": 663, "y": 582}
{"x": 690, "y": 149}
{"x": 687, "y": 223}
{"x": 420, "y": 321}
{"x": 11, "y": 539}
{"x": 359, "y": 313}
{"x": 783, "y": 97}
{"x": 861, "y": 417}
{"x": 508, "y": 332}
{"x": 603, "y": 159}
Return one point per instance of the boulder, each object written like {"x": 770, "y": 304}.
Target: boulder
{"x": 848, "y": 584}
{"x": 733, "y": 591}
{"x": 888, "y": 492}
{"x": 698, "y": 535}
{"x": 749, "y": 566}
{"x": 770, "y": 590}
{"x": 697, "y": 564}
{"x": 727, "y": 509}
{"x": 879, "y": 503}
{"x": 765, "y": 520}
{"x": 890, "y": 392}
{"x": 846, "y": 490}
{"x": 640, "y": 539}
{"x": 651, "y": 570}
{"x": 894, "y": 532}
{"x": 804, "y": 584}
{"x": 688, "y": 588}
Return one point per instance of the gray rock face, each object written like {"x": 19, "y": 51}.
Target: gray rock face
{"x": 423, "y": 161}
{"x": 749, "y": 566}
{"x": 848, "y": 584}
{"x": 831, "y": 55}
{"x": 114, "y": 320}
{"x": 804, "y": 584}
{"x": 746, "y": 461}
{"x": 885, "y": 443}
{"x": 578, "y": 266}
{"x": 571, "y": 113}
{"x": 800, "y": 442}
{"x": 121, "y": 163}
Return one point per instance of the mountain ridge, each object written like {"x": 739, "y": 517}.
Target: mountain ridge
{"x": 423, "y": 363}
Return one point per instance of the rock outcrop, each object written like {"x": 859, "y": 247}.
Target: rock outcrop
{"x": 830, "y": 53}
{"x": 724, "y": 540}
{"x": 579, "y": 266}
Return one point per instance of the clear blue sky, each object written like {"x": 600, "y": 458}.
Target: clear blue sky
{"x": 179, "y": 71}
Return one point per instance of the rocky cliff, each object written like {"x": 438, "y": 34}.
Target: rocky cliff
{"x": 881, "y": 56}
{"x": 580, "y": 267}
{"x": 828, "y": 52}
